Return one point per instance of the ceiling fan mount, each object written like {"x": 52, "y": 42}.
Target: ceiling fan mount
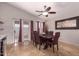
{"x": 46, "y": 11}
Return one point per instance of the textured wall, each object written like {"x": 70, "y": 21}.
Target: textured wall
{"x": 69, "y": 36}
{"x": 10, "y": 13}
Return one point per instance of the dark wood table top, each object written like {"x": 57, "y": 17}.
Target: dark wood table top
{"x": 46, "y": 36}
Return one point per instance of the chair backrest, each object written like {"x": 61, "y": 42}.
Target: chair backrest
{"x": 56, "y": 37}
{"x": 50, "y": 32}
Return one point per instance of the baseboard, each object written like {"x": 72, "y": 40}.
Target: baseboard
{"x": 69, "y": 43}
{"x": 9, "y": 43}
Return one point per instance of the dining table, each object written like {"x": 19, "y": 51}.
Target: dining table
{"x": 45, "y": 38}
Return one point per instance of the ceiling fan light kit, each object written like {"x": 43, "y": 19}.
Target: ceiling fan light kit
{"x": 45, "y": 13}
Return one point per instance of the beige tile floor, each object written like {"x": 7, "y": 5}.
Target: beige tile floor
{"x": 27, "y": 49}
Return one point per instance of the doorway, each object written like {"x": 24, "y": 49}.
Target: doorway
{"x": 25, "y": 31}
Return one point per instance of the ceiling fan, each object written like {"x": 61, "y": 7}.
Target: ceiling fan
{"x": 46, "y": 11}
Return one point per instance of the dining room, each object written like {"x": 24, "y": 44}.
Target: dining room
{"x": 39, "y": 28}
{"x": 44, "y": 42}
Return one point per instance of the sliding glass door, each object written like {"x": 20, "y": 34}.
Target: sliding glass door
{"x": 25, "y": 31}
{"x": 16, "y": 31}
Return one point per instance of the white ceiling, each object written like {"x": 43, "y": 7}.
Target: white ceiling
{"x": 31, "y": 7}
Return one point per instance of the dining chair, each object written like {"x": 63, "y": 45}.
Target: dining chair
{"x": 33, "y": 38}
{"x": 55, "y": 40}
{"x": 50, "y": 33}
{"x": 37, "y": 39}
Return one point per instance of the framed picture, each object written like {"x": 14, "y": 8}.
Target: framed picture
{"x": 69, "y": 23}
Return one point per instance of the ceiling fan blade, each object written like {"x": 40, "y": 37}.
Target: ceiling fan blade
{"x": 44, "y": 6}
{"x": 39, "y": 11}
{"x": 48, "y": 9}
{"x": 46, "y": 15}
{"x": 40, "y": 15}
{"x": 52, "y": 12}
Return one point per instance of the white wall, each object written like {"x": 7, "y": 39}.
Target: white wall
{"x": 10, "y": 13}
{"x": 68, "y": 36}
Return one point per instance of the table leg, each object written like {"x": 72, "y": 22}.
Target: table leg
{"x": 46, "y": 46}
